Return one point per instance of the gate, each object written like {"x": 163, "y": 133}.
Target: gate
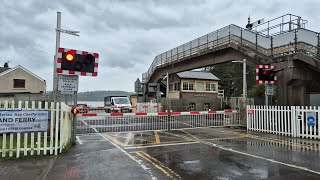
{"x": 122, "y": 122}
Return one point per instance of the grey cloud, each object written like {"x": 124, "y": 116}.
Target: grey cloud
{"x": 127, "y": 34}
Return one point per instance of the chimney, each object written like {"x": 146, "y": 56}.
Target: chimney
{"x": 6, "y": 65}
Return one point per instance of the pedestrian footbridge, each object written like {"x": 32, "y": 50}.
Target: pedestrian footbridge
{"x": 288, "y": 45}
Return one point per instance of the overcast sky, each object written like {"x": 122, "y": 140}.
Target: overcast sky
{"x": 127, "y": 34}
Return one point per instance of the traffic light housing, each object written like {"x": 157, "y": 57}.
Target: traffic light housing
{"x": 77, "y": 62}
{"x": 266, "y": 74}
{"x": 74, "y": 62}
{"x": 74, "y": 110}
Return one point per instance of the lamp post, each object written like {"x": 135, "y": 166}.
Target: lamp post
{"x": 244, "y": 91}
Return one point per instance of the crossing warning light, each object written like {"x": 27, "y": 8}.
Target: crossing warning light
{"x": 70, "y": 55}
{"x": 74, "y": 111}
{"x": 266, "y": 74}
{"x": 75, "y": 62}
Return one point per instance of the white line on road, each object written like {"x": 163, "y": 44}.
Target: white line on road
{"x": 126, "y": 153}
{"x": 159, "y": 145}
{"x": 95, "y": 130}
{"x": 251, "y": 155}
{"x": 79, "y": 140}
{"x": 259, "y": 157}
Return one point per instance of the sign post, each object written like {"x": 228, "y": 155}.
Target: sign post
{"x": 68, "y": 83}
{"x": 310, "y": 118}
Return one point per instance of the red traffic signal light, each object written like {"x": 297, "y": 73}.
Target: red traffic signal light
{"x": 70, "y": 55}
{"x": 74, "y": 110}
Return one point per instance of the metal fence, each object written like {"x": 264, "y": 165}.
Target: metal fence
{"x": 121, "y": 122}
{"x": 285, "y": 120}
{"x": 52, "y": 141}
{"x": 293, "y": 41}
{"x": 148, "y": 107}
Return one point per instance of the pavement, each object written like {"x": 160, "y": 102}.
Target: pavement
{"x": 203, "y": 153}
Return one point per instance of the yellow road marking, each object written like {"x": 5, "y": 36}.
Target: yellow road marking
{"x": 128, "y": 138}
{"x": 194, "y": 137}
{"x": 157, "y": 137}
{"x": 117, "y": 142}
{"x": 157, "y": 164}
{"x": 154, "y": 164}
{"x": 154, "y": 159}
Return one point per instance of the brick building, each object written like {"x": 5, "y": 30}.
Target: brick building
{"x": 193, "y": 90}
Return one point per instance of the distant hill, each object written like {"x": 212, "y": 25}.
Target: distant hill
{"x": 99, "y": 95}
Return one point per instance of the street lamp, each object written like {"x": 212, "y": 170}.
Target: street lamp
{"x": 244, "y": 95}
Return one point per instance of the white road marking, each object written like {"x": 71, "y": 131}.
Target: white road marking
{"x": 79, "y": 140}
{"x": 129, "y": 155}
{"x": 259, "y": 157}
{"x": 255, "y": 156}
{"x": 160, "y": 145}
{"x": 95, "y": 130}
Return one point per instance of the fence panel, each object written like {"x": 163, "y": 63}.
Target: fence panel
{"x": 306, "y": 128}
{"x": 122, "y": 122}
{"x": 35, "y": 142}
{"x": 284, "y": 120}
{"x": 148, "y": 107}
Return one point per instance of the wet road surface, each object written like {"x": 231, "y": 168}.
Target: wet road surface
{"x": 204, "y": 153}
{"x": 223, "y": 153}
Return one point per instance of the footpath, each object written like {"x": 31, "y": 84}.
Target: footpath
{"x": 97, "y": 159}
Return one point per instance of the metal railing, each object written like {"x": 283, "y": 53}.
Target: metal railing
{"x": 122, "y": 122}
{"x": 297, "y": 40}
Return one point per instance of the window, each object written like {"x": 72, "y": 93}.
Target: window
{"x": 192, "y": 106}
{"x": 200, "y": 86}
{"x": 171, "y": 87}
{"x": 211, "y": 86}
{"x": 176, "y": 86}
{"x": 188, "y": 86}
{"x": 207, "y": 86}
{"x": 19, "y": 83}
{"x": 185, "y": 86}
{"x": 206, "y": 106}
{"x": 191, "y": 86}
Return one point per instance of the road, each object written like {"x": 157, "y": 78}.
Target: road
{"x": 215, "y": 153}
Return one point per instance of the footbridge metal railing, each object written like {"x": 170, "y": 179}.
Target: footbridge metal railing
{"x": 293, "y": 41}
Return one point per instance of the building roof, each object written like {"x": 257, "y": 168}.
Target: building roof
{"x": 197, "y": 75}
{"x": 19, "y": 67}
{"x": 2, "y": 69}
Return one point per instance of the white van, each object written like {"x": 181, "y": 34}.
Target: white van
{"x": 117, "y": 104}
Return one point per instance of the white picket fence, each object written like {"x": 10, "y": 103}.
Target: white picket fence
{"x": 52, "y": 141}
{"x": 284, "y": 120}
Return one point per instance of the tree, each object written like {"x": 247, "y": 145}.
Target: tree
{"x": 231, "y": 77}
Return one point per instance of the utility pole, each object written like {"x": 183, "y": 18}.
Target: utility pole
{"x": 55, "y": 75}
{"x": 244, "y": 89}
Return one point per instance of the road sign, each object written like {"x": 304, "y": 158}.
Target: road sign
{"x": 266, "y": 74}
{"x": 68, "y": 83}
{"x": 269, "y": 89}
{"x": 310, "y": 118}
